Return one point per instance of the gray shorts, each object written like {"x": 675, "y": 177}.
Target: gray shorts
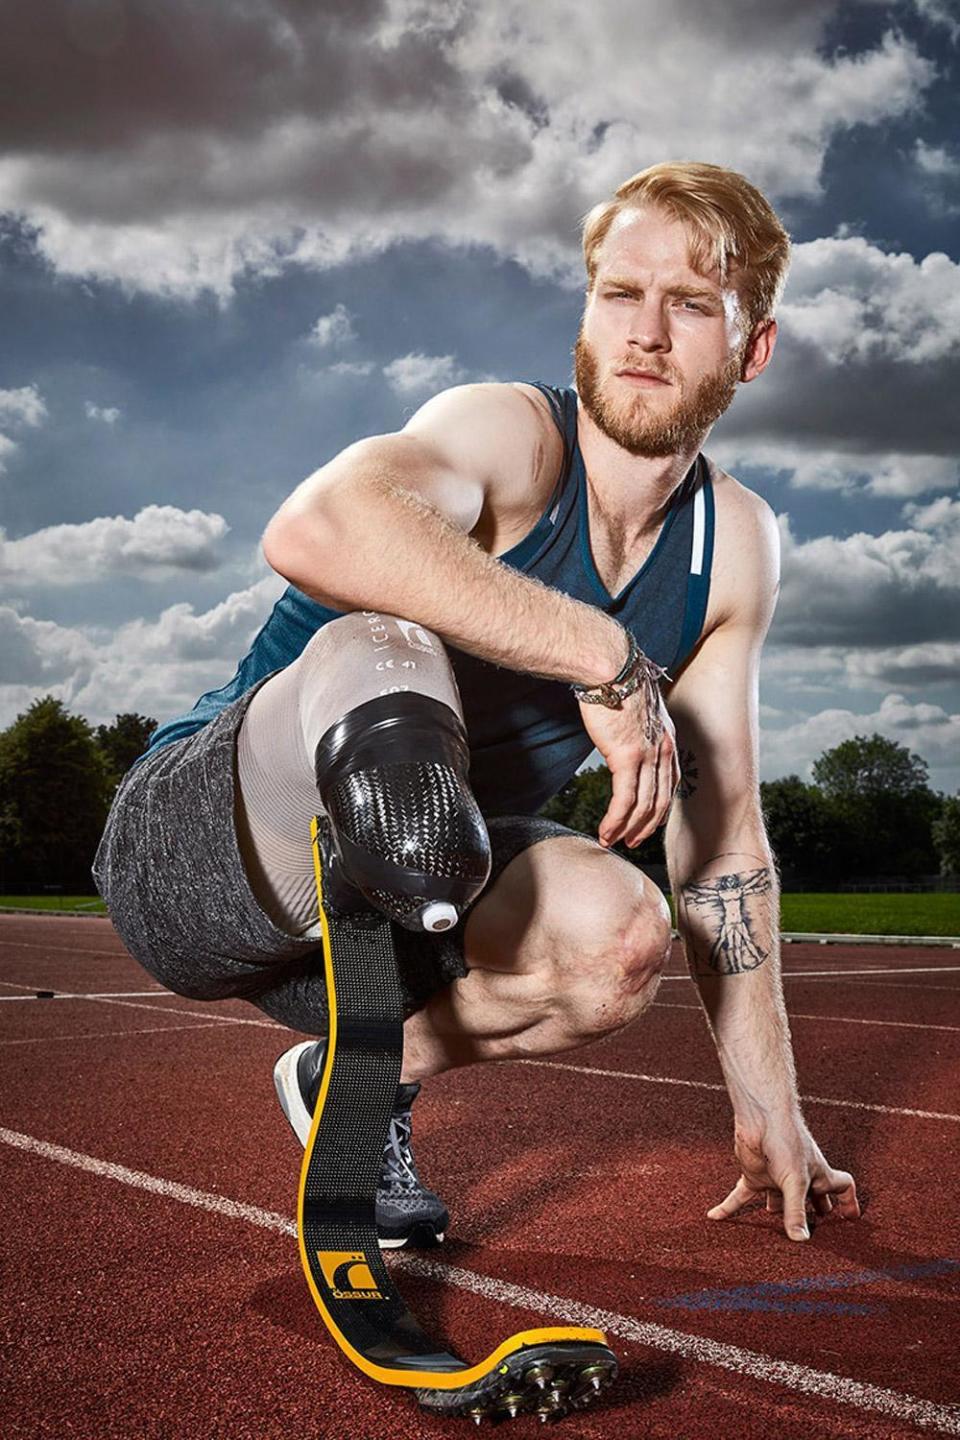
{"x": 170, "y": 869}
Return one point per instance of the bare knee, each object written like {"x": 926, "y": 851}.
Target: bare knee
{"x": 610, "y": 971}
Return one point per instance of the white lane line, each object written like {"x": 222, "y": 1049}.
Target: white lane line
{"x": 68, "y": 949}
{"x": 920, "y": 986}
{"x": 877, "y": 970}
{"x": 105, "y": 1034}
{"x": 839, "y": 1019}
{"x": 821, "y": 1383}
{"x": 202, "y": 1199}
{"x": 711, "y": 1085}
{"x": 85, "y": 995}
{"x": 108, "y": 999}
{"x": 175, "y": 1010}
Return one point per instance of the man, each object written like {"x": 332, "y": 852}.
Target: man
{"x": 545, "y": 535}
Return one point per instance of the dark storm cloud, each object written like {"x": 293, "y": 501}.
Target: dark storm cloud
{"x": 102, "y": 74}
{"x": 173, "y": 147}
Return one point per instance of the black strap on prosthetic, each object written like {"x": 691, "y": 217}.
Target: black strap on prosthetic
{"x": 345, "y": 1151}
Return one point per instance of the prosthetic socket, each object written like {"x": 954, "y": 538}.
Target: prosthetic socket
{"x": 404, "y": 833}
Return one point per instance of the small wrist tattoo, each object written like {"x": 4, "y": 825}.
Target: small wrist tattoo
{"x": 689, "y": 774}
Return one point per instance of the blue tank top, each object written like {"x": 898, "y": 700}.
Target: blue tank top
{"x": 526, "y": 735}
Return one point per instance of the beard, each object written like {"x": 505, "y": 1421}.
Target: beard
{"x": 644, "y": 429}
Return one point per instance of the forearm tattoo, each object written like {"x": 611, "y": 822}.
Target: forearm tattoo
{"x": 732, "y": 917}
{"x": 689, "y": 774}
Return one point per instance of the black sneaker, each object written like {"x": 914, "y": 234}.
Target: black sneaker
{"x": 407, "y": 1212}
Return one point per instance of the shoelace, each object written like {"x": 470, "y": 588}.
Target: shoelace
{"x": 399, "y": 1169}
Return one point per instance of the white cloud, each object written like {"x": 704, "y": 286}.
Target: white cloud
{"x": 854, "y": 302}
{"x": 350, "y": 367}
{"x": 7, "y": 447}
{"x": 935, "y": 159}
{"x": 927, "y": 730}
{"x": 798, "y": 669}
{"x": 419, "y": 374}
{"x": 899, "y": 587}
{"x": 942, "y": 514}
{"x": 108, "y": 414}
{"x": 821, "y": 468}
{"x": 306, "y": 135}
{"x": 941, "y": 12}
{"x": 158, "y": 542}
{"x": 333, "y": 329}
{"x": 861, "y": 392}
{"x": 25, "y": 406}
{"x": 154, "y": 667}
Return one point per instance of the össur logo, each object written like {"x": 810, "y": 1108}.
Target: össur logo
{"x": 348, "y": 1275}
{"x": 416, "y": 637}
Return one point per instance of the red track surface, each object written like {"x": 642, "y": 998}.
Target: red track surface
{"x": 143, "y": 1312}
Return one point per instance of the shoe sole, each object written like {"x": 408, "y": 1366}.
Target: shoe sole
{"x": 289, "y": 1094}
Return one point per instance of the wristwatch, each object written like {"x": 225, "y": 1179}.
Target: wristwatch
{"x": 637, "y": 670}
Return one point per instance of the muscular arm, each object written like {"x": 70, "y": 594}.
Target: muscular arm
{"x": 721, "y": 868}
{"x": 384, "y": 527}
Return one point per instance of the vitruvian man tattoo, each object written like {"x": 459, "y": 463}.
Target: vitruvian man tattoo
{"x": 722, "y": 902}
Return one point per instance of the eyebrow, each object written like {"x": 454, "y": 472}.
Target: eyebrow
{"x": 686, "y": 292}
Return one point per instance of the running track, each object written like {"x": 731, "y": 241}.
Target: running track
{"x": 151, "y": 1282}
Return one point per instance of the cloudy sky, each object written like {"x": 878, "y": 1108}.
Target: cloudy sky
{"x": 235, "y": 237}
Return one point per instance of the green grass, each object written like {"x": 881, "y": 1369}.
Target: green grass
{"x": 876, "y": 914}
{"x": 817, "y": 914}
{"x": 93, "y": 903}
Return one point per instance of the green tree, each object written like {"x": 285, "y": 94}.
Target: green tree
{"x": 946, "y": 836}
{"x": 879, "y": 789}
{"x": 811, "y": 841}
{"x": 55, "y": 790}
{"x": 869, "y": 766}
{"x": 123, "y": 742}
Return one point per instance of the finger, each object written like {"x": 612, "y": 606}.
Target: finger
{"x": 795, "y": 1207}
{"x": 822, "y": 1204}
{"x": 646, "y": 793}
{"x": 643, "y": 823}
{"x": 665, "y": 781}
{"x": 738, "y": 1197}
{"x": 842, "y": 1185}
{"x": 621, "y": 802}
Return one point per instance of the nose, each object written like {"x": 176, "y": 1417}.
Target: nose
{"x": 648, "y": 326}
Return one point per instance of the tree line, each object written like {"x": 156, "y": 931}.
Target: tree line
{"x": 869, "y": 811}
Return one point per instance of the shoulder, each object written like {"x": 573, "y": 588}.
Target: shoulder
{"x": 513, "y": 409}
{"x": 503, "y": 429}
{"x": 746, "y": 558}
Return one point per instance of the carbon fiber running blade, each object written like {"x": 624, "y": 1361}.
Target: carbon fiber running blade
{"x": 336, "y": 1211}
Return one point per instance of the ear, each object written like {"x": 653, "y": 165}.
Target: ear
{"x": 759, "y": 351}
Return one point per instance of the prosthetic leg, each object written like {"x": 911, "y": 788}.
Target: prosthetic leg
{"x": 402, "y": 839}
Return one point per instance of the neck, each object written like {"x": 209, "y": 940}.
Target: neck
{"x": 630, "y": 490}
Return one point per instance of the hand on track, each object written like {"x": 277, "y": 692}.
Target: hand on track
{"x": 785, "y": 1163}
